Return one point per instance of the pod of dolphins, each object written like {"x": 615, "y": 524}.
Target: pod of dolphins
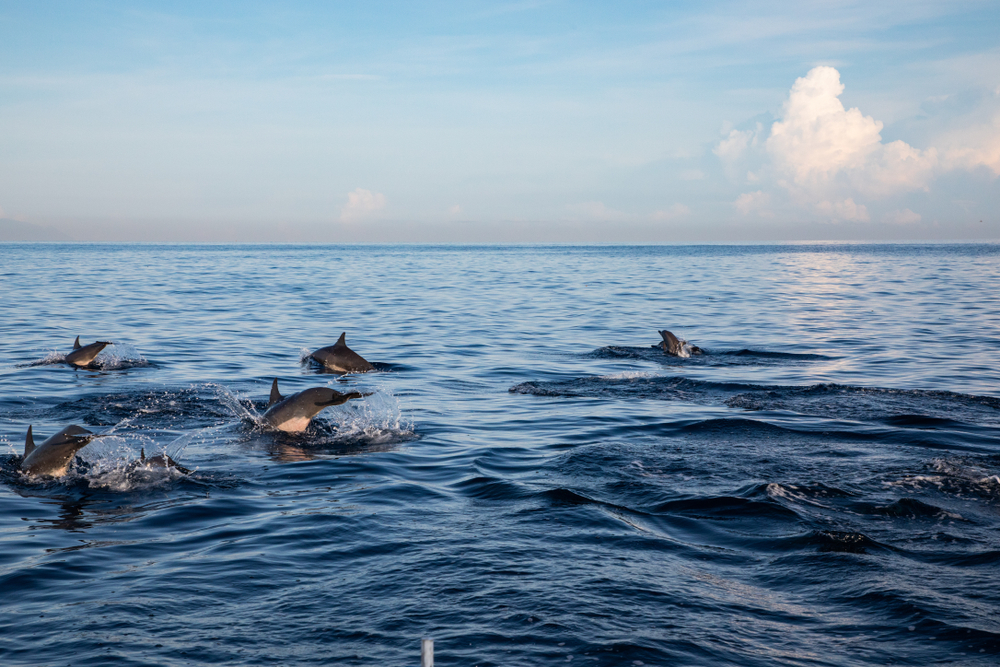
{"x": 291, "y": 414}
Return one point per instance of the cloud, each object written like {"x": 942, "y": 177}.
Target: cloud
{"x": 596, "y": 210}
{"x": 732, "y": 147}
{"x": 455, "y": 210}
{"x": 974, "y": 146}
{"x": 904, "y": 217}
{"x": 672, "y": 213}
{"x": 754, "y": 202}
{"x": 823, "y": 147}
{"x": 362, "y": 204}
{"x": 845, "y": 210}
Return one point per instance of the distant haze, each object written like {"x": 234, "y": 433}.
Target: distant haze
{"x": 499, "y": 122}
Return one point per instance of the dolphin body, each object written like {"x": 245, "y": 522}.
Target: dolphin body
{"x": 676, "y": 347}
{"x": 340, "y": 358}
{"x": 83, "y": 356}
{"x": 52, "y": 457}
{"x": 293, "y": 414}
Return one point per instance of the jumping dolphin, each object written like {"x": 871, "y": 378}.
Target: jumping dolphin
{"x": 676, "y": 347}
{"x": 338, "y": 357}
{"x": 293, "y": 413}
{"x": 52, "y": 457}
{"x": 83, "y": 356}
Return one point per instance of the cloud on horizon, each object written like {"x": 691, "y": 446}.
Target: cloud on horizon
{"x": 362, "y": 205}
{"x": 828, "y": 162}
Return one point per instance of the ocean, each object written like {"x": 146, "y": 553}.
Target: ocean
{"x": 531, "y": 480}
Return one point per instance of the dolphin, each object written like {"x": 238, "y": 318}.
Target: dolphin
{"x": 676, "y": 347}
{"x": 159, "y": 461}
{"x": 52, "y": 457}
{"x": 294, "y": 413}
{"x": 83, "y": 356}
{"x": 342, "y": 359}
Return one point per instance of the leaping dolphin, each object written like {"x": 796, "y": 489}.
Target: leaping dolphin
{"x": 676, "y": 347}
{"x": 83, "y": 356}
{"x": 294, "y": 413}
{"x": 338, "y": 357}
{"x": 52, "y": 457}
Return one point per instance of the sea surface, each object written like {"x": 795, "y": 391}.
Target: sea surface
{"x": 531, "y": 481}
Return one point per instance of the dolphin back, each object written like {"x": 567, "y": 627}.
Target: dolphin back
{"x": 82, "y": 356}
{"x": 52, "y": 457}
{"x": 338, "y": 357}
{"x": 671, "y": 344}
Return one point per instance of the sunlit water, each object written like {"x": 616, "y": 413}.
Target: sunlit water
{"x": 531, "y": 482}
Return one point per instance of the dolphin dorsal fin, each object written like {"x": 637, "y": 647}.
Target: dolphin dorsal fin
{"x": 29, "y": 443}
{"x": 142, "y": 454}
{"x": 276, "y": 396}
{"x": 76, "y": 343}
{"x": 343, "y": 339}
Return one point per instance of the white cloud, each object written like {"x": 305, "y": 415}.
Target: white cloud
{"x": 362, "y": 204}
{"x": 903, "y": 217}
{"x": 974, "y": 146}
{"x": 672, "y": 213}
{"x": 732, "y": 147}
{"x": 455, "y": 210}
{"x": 823, "y": 147}
{"x": 754, "y": 202}
{"x": 596, "y": 210}
{"x": 846, "y": 210}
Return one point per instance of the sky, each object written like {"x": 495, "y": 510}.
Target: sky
{"x": 568, "y": 122}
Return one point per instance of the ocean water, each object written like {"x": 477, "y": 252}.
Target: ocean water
{"x": 531, "y": 482}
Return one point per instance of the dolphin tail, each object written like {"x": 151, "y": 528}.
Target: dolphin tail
{"x": 342, "y": 340}
{"x": 29, "y": 443}
{"x": 76, "y": 343}
{"x": 276, "y": 396}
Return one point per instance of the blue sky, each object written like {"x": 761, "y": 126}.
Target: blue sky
{"x": 516, "y": 121}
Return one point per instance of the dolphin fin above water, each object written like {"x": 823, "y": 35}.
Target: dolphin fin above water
{"x": 53, "y": 457}
{"x": 276, "y": 396}
{"x": 294, "y": 413}
{"x": 340, "y": 358}
{"x": 84, "y": 356}
{"x": 676, "y": 347}
{"x": 29, "y": 443}
{"x": 158, "y": 461}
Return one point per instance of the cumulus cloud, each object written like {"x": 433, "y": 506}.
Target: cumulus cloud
{"x": 596, "y": 210}
{"x": 754, "y": 202}
{"x": 844, "y": 210}
{"x": 734, "y": 146}
{"x": 671, "y": 213}
{"x": 362, "y": 204}
{"x": 820, "y": 147}
{"x": 975, "y": 146}
{"x": 903, "y": 217}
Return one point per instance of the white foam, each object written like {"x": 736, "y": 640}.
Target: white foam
{"x": 630, "y": 375}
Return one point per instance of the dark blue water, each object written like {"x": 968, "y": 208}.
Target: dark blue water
{"x": 531, "y": 482}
